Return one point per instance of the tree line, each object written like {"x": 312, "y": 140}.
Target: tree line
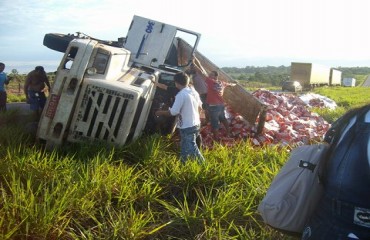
{"x": 276, "y": 75}
{"x": 270, "y": 74}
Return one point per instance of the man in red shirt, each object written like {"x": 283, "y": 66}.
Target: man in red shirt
{"x": 215, "y": 102}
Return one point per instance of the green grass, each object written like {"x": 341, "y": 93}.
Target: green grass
{"x": 139, "y": 191}
{"x": 345, "y": 97}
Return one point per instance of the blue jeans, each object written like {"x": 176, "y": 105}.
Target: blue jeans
{"x": 3, "y": 100}
{"x": 37, "y": 100}
{"x": 216, "y": 114}
{"x": 188, "y": 144}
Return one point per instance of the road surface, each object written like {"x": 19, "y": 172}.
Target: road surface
{"x": 367, "y": 82}
{"x": 23, "y": 107}
{"x": 24, "y": 118}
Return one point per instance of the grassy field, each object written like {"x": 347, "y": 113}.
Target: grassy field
{"x": 345, "y": 97}
{"x": 140, "y": 191}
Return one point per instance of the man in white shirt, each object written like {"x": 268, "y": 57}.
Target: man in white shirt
{"x": 186, "y": 106}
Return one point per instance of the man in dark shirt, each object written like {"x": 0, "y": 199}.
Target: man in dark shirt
{"x": 34, "y": 88}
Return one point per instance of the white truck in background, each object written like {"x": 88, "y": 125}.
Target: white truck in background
{"x": 104, "y": 91}
{"x": 310, "y": 75}
{"x": 335, "y": 77}
{"x": 349, "y": 82}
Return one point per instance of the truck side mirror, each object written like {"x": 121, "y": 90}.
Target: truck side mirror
{"x": 153, "y": 61}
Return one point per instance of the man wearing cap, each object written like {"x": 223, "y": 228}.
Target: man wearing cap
{"x": 34, "y": 89}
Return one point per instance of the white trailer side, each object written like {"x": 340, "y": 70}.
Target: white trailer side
{"x": 309, "y": 74}
{"x": 349, "y": 82}
{"x": 335, "y": 77}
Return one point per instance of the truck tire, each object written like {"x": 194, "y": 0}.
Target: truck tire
{"x": 58, "y": 42}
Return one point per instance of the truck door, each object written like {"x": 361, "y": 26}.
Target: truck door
{"x": 155, "y": 43}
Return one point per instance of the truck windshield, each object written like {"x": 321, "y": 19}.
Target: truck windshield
{"x": 69, "y": 58}
{"x": 101, "y": 62}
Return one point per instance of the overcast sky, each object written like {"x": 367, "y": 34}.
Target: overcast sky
{"x": 235, "y": 33}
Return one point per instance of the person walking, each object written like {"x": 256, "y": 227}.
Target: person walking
{"x": 34, "y": 88}
{"x": 186, "y": 106}
{"x": 3, "y": 81}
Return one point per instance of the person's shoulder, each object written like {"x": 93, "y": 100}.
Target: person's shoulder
{"x": 31, "y": 73}
{"x": 184, "y": 91}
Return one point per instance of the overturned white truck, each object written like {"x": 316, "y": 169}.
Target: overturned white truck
{"x": 103, "y": 90}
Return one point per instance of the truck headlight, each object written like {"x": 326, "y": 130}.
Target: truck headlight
{"x": 91, "y": 71}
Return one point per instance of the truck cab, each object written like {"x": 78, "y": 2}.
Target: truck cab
{"x": 105, "y": 92}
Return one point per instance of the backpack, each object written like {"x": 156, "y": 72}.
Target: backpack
{"x": 347, "y": 179}
{"x": 298, "y": 187}
{"x": 295, "y": 190}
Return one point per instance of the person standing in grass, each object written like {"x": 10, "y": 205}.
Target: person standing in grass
{"x": 186, "y": 106}
{"x": 3, "y": 81}
{"x": 173, "y": 90}
{"x": 34, "y": 88}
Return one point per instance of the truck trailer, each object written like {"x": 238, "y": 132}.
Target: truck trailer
{"x": 104, "y": 90}
{"x": 349, "y": 82}
{"x": 335, "y": 77}
{"x": 309, "y": 75}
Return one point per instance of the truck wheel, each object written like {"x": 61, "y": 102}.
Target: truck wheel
{"x": 57, "y": 42}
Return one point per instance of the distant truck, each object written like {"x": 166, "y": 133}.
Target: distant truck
{"x": 335, "y": 77}
{"x": 349, "y": 82}
{"x": 309, "y": 75}
{"x": 104, "y": 90}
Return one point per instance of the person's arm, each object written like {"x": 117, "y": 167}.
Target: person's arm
{"x": 197, "y": 97}
{"x": 165, "y": 113}
{"x": 7, "y": 80}
{"x": 174, "y": 110}
{"x": 198, "y": 67}
{"x": 25, "y": 87}
{"x": 47, "y": 83}
{"x": 160, "y": 85}
{"x": 229, "y": 84}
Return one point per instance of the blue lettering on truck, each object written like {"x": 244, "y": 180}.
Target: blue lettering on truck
{"x": 148, "y": 30}
{"x": 149, "y": 27}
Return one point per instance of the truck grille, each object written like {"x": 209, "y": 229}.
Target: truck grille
{"x": 101, "y": 114}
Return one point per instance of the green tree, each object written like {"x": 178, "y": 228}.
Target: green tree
{"x": 16, "y": 77}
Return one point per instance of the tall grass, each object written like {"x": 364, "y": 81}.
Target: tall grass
{"x": 139, "y": 191}
{"x": 345, "y": 97}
